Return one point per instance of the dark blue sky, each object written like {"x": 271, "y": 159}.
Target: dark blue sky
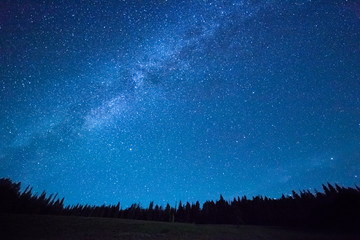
{"x": 135, "y": 101}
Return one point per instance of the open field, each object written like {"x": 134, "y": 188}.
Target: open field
{"x": 62, "y": 227}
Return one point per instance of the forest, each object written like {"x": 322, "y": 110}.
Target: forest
{"x": 335, "y": 206}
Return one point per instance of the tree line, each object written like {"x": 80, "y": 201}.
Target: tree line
{"x": 335, "y": 206}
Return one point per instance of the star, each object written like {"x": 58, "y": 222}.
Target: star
{"x": 195, "y": 97}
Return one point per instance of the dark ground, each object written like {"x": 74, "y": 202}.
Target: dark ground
{"x": 62, "y": 227}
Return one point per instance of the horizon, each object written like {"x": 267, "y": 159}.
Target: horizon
{"x": 179, "y": 100}
{"x": 57, "y": 196}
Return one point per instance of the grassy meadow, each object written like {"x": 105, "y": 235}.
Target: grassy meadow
{"x": 64, "y": 227}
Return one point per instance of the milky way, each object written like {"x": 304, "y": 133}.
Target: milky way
{"x": 139, "y": 101}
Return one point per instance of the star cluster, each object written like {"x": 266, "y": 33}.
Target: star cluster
{"x": 139, "y": 101}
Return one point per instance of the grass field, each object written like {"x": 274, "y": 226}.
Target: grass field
{"x": 61, "y": 227}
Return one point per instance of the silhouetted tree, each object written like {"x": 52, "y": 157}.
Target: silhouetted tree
{"x": 336, "y": 207}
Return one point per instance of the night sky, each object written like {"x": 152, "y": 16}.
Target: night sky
{"x": 139, "y": 101}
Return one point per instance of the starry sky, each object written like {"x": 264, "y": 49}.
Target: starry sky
{"x": 139, "y": 101}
